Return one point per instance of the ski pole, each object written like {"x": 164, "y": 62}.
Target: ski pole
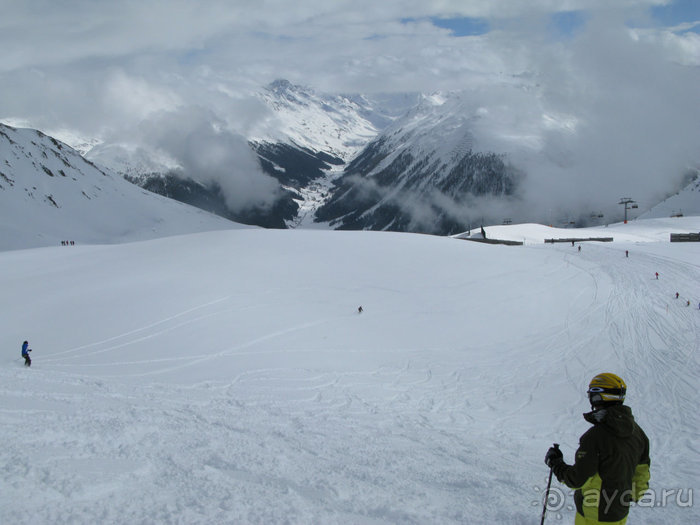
{"x": 546, "y": 494}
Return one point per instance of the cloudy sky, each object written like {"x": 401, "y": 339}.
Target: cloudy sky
{"x": 619, "y": 78}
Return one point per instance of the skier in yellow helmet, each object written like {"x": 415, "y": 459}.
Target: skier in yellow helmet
{"x": 611, "y": 466}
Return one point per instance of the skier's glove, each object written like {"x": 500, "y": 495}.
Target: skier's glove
{"x": 553, "y": 457}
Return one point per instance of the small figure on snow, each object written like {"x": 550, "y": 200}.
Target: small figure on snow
{"x": 25, "y": 354}
{"x": 676, "y": 295}
{"x": 627, "y": 253}
{"x": 688, "y": 303}
{"x": 579, "y": 247}
{"x": 657, "y": 276}
{"x": 359, "y": 310}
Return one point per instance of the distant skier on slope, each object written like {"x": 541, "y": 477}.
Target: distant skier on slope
{"x": 25, "y": 354}
{"x": 612, "y": 461}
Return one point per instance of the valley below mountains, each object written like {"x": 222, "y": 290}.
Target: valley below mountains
{"x": 403, "y": 162}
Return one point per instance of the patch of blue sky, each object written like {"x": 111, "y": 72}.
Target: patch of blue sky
{"x": 562, "y": 25}
{"x": 567, "y": 24}
{"x": 463, "y": 26}
{"x": 460, "y": 26}
{"x": 678, "y": 12}
{"x": 193, "y": 56}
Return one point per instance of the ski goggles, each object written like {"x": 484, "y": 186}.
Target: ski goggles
{"x": 598, "y": 394}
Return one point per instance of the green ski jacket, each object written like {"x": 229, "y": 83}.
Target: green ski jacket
{"x": 611, "y": 467}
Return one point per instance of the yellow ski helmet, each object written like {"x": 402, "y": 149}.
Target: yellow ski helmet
{"x": 606, "y": 388}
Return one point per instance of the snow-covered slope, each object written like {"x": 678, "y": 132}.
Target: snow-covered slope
{"x": 49, "y": 193}
{"x": 231, "y": 380}
{"x": 640, "y": 230}
{"x": 685, "y": 202}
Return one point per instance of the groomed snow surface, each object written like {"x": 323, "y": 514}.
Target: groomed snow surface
{"x": 227, "y": 377}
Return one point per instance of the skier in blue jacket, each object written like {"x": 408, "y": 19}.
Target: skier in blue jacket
{"x": 25, "y": 354}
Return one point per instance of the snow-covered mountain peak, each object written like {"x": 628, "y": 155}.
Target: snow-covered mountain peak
{"x": 294, "y": 93}
{"x": 437, "y": 98}
{"x": 439, "y": 126}
{"x": 335, "y": 124}
{"x": 281, "y": 85}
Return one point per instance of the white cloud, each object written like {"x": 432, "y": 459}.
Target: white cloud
{"x": 209, "y": 153}
{"x": 136, "y": 97}
{"x": 611, "y": 100}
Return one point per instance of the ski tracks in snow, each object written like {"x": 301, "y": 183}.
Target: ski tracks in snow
{"x": 398, "y": 434}
{"x": 142, "y": 333}
{"x": 652, "y": 341}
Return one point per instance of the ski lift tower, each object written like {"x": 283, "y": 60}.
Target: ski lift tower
{"x": 629, "y": 203}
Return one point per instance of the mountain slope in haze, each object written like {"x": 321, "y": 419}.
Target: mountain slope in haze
{"x": 685, "y": 202}
{"x": 303, "y": 142}
{"x": 422, "y": 173}
{"x": 49, "y": 193}
{"x": 310, "y": 136}
{"x": 210, "y": 197}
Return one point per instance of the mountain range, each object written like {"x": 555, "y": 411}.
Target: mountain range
{"x": 401, "y": 162}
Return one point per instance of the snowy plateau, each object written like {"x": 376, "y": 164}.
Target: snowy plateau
{"x": 189, "y": 370}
